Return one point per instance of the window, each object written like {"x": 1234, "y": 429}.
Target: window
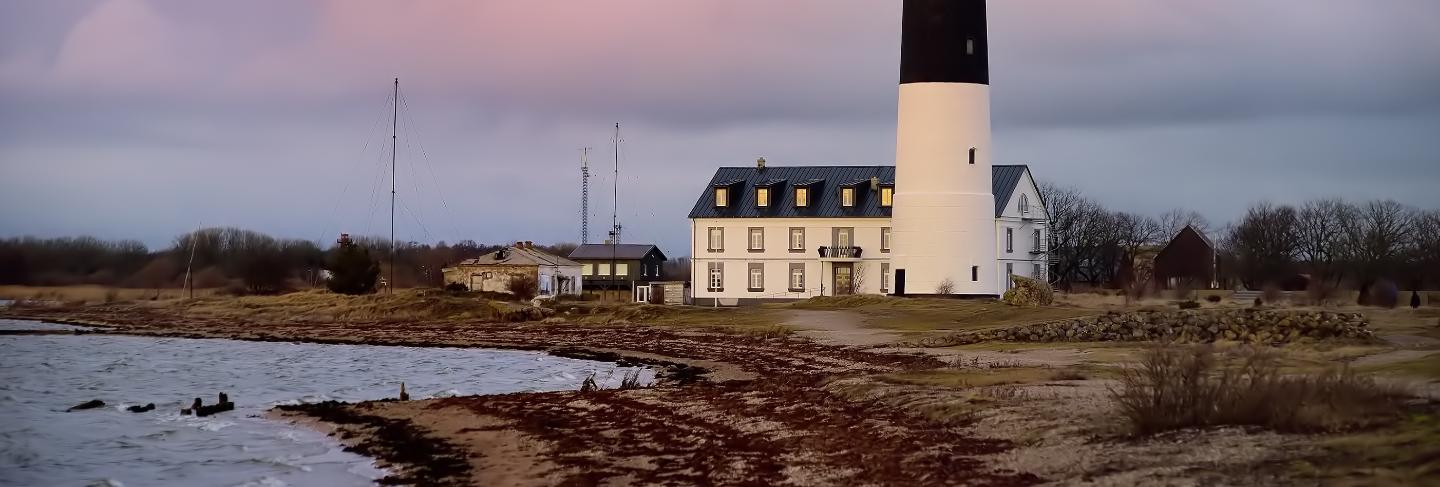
{"x": 717, "y": 276}
{"x": 757, "y": 239}
{"x": 1038, "y": 272}
{"x": 970, "y": 46}
{"x": 762, "y": 197}
{"x": 847, "y": 197}
{"x": 885, "y": 239}
{"x": 622, "y": 269}
{"x": 972, "y": 156}
{"x": 1009, "y": 275}
{"x": 605, "y": 270}
{"x": 587, "y": 269}
{"x": 757, "y": 277}
{"x": 1009, "y": 240}
{"x": 722, "y": 197}
{"x": 1024, "y": 204}
{"x": 802, "y": 197}
{"x": 717, "y": 239}
{"x": 1039, "y": 243}
{"x": 797, "y": 239}
{"x": 975, "y": 273}
{"x": 884, "y": 277}
{"x": 844, "y": 237}
{"x": 797, "y": 277}
{"x": 887, "y": 196}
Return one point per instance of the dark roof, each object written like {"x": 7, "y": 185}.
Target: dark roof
{"x": 825, "y": 182}
{"x": 620, "y": 251}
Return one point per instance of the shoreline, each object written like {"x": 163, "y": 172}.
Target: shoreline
{"x": 731, "y": 408}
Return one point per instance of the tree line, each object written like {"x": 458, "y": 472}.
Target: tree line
{"x": 1330, "y": 241}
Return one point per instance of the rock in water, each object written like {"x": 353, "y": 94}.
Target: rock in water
{"x": 141, "y": 409}
{"x": 91, "y": 404}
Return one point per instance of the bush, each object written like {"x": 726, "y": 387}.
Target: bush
{"x": 1272, "y": 294}
{"x": 1029, "y": 292}
{"x": 945, "y": 287}
{"x": 1384, "y": 294}
{"x": 1213, "y": 298}
{"x": 352, "y": 271}
{"x": 456, "y": 287}
{"x": 1322, "y": 293}
{"x": 1176, "y": 387}
{"x": 1189, "y": 305}
{"x": 525, "y": 287}
{"x": 1414, "y": 300}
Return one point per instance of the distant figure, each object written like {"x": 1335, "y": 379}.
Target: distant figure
{"x": 404, "y": 396}
{"x": 91, "y": 404}
{"x": 141, "y": 409}
{"x": 1414, "y": 300}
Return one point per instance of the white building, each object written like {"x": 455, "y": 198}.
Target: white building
{"x": 941, "y": 221}
{"x": 784, "y": 233}
{"x": 492, "y": 272}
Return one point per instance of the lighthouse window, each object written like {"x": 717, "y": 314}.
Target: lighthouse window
{"x": 970, "y": 46}
{"x": 975, "y": 273}
{"x": 972, "y": 155}
{"x": 722, "y": 196}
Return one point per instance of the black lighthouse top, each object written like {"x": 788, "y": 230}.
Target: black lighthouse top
{"x": 944, "y": 41}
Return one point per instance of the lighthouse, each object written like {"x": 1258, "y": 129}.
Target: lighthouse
{"x": 944, "y": 212}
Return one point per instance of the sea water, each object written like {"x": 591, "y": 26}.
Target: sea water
{"x": 43, "y": 375}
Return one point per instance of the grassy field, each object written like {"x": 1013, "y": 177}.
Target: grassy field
{"x": 93, "y": 294}
{"x": 941, "y": 315}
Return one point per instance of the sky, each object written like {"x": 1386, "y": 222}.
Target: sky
{"x": 143, "y": 119}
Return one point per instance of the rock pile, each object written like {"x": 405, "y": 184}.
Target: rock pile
{"x": 1242, "y": 325}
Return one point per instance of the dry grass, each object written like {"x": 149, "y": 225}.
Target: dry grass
{"x": 972, "y": 378}
{"x": 92, "y": 294}
{"x": 1179, "y": 387}
{"x": 1407, "y": 453}
{"x": 762, "y": 322}
{"x": 317, "y": 305}
{"x": 927, "y": 315}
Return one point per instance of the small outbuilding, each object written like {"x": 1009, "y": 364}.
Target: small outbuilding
{"x": 492, "y": 272}
{"x": 1188, "y": 260}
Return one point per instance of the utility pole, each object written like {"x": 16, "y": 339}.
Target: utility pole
{"x": 394, "y": 147}
{"x": 615, "y": 211}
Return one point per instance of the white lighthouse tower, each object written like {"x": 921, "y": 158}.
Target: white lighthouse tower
{"x": 944, "y": 213}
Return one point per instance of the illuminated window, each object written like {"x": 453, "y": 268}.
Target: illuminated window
{"x": 622, "y": 269}
{"x": 847, "y": 197}
{"x": 587, "y": 269}
{"x": 722, "y": 196}
{"x": 605, "y": 269}
{"x": 887, "y": 196}
{"x": 802, "y": 197}
{"x": 762, "y": 197}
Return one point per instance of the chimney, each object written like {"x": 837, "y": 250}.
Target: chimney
{"x": 519, "y": 244}
{"x": 529, "y": 244}
{"x": 760, "y": 163}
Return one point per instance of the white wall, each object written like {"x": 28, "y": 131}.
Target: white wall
{"x": 944, "y": 212}
{"x": 552, "y": 273}
{"x": 776, "y": 257}
{"x": 1024, "y": 226}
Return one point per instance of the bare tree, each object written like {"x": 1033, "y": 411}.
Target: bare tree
{"x": 1319, "y": 239}
{"x": 1175, "y": 220}
{"x": 858, "y": 279}
{"x": 1424, "y": 249}
{"x": 1377, "y": 235}
{"x": 1264, "y": 244}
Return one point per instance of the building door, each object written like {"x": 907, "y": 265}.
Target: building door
{"x": 844, "y": 279}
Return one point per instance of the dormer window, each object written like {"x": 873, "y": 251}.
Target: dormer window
{"x": 802, "y": 197}
{"x": 847, "y": 197}
{"x": 722, "y": 197}
{"x": 762, "y": 197}
{"x": 887, "y": 196}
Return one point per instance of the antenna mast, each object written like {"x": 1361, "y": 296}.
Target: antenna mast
{"x": 394, "y": 147}
{"x": 584, "y": 195}
{"x": 615, "y": 191}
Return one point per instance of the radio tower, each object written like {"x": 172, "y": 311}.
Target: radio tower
{"x": 584, "y": 195}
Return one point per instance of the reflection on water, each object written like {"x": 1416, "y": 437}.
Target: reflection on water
{"x": 41, "y": 376}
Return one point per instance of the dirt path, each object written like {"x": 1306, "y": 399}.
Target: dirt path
{"x": 842, "y": 328}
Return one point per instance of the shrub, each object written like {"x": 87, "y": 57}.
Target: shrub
{"x": 1272, "y": 294}
{"x": 456, "y": 287}
{"x": 945, "y": 287}
{"x": 1259, "y": 302}
{"x": 1213, "y": 298}
{"x": 1384, "y": 294}
{"x": 352, "y": 270}
{"x": 1322, "y": 293}
{"x": 1176, "y": 387}
{"x": 525, "y": 287}
{"x": 1414, "y": 300}
{"x": 1189, "y": 305}
{"x": 1029, "y": 292}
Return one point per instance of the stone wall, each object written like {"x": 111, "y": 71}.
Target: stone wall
{"x": 1242, "y": 325}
